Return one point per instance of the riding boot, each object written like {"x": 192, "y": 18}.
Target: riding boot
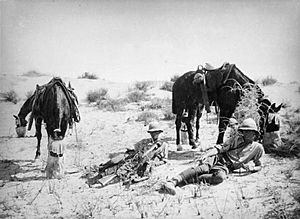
{"x": 214, "y": 178}
{"x": 169, "y": 186}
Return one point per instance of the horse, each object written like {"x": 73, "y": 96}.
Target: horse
{"x": 53, "y": 103}
{"x": 187, "y": 103}
{"x": 269, "y": 125}
{"x": 228, "y": 82}
{"x": 223, "y": 85}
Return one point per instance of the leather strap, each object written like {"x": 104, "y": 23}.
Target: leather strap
{"x": 204, "y": 95}
{"x": 52, "y": 154}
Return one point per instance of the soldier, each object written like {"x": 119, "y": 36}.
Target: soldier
{"x": 218, "y": 161}
{"x": 155, "y": 143}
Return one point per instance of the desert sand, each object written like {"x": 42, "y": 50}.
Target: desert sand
{"x": 26, "y": 193}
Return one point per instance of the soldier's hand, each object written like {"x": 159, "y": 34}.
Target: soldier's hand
{"x": 201, "y": 159}
{"x": 247, "y": 168}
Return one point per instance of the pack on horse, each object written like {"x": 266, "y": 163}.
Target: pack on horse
{"x": 223, "y": 85}
{"x": 53, "y": 103}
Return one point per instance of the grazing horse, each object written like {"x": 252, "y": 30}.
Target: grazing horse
{"x": 223, "y": 85}
{"x": 53, "y": 103}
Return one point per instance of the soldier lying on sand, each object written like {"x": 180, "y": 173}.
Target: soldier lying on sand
{"x": 135, "y": 165}
{"x": 216, "y": 162}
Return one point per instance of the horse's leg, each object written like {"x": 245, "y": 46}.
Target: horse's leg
{"x": 190, "y": 126}
{"x": 178, "y": 126}
{"x": 224, "y": 117}
{"x": 198, "y": 116}
{"x": 38, "y": 131}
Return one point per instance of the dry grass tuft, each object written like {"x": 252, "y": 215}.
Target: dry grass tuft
{"x": 10, "y": 96}
{"x": 168, "y": 85}
{"x": 168, "y": 114}
{"x": 137, "y": 96}
{"x": 147, "y": 117}
{"x": 110, "y": 104}
{"x": 290, "y": 136}
{"x": 88, "y": 75}
{"x": 269, "y": 80}
{"x": 97, "y": 95}
{"x": 159, "y": 103}
{"x": 142, "y": 86}
{"x": 174, "y": 78}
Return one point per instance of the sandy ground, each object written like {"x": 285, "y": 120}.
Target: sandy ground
{"x": 25, "y": 193}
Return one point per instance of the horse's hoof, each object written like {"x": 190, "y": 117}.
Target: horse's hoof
{"x": 179, "y": 148}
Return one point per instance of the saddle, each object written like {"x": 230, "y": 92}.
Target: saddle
{"x": 209, "y": 67}
{"x": 41, "y": 91}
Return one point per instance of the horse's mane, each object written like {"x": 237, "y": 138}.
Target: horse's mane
{"x": 26, "y": 107}
{"x": 249, "y": 81}
{"x": 243, "y": 75}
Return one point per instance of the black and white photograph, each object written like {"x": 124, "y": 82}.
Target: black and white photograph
{"x": 150, "y": 109}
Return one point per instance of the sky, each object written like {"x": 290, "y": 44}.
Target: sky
{"x": 130, "y": 40}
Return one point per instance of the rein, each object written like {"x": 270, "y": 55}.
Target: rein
{"x": 228, "y": 73}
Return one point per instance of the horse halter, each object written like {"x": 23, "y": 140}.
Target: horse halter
{"x": 52, "y": 154}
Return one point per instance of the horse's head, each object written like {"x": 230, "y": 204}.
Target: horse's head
{"x": 268, "y": 111}
{"x": 20, "y": 121}
{"x": 199, "y": 77}
{"x": 20, "y": 126}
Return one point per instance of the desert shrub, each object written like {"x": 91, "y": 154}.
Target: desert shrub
{"x": 88, "y": 75}
{"x": 29, "y": 94}
{"x": 33, "y": 74}
{"x": 290, "y": 135}
{"x": 168, "y": 115}
{"x": 10, "y": 96}
{"x": 147, "y": 117}
{"x": 168, "y": 85}
{"x": 142, "y": 85}
{"x": 136, "y": 96}
{"x": 159, "y": 103}
{"x": 174, "y": 78}
{"x": 114, "y": 105}
{"x": 96, "y": 95}
{"x": 248, "y": 107}
{"x": 269, "y": 80}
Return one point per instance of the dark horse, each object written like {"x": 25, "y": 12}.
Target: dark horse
{"x": 228, "y": 82}
{"x": 54, "y": 104}
{"x": 223, "y": 85}
{"x": 188, "y": 103}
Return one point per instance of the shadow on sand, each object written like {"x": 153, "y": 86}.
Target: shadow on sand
{"x": 20, "y": 170}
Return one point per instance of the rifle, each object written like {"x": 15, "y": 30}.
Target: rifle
{"x": 150, "y": 154}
